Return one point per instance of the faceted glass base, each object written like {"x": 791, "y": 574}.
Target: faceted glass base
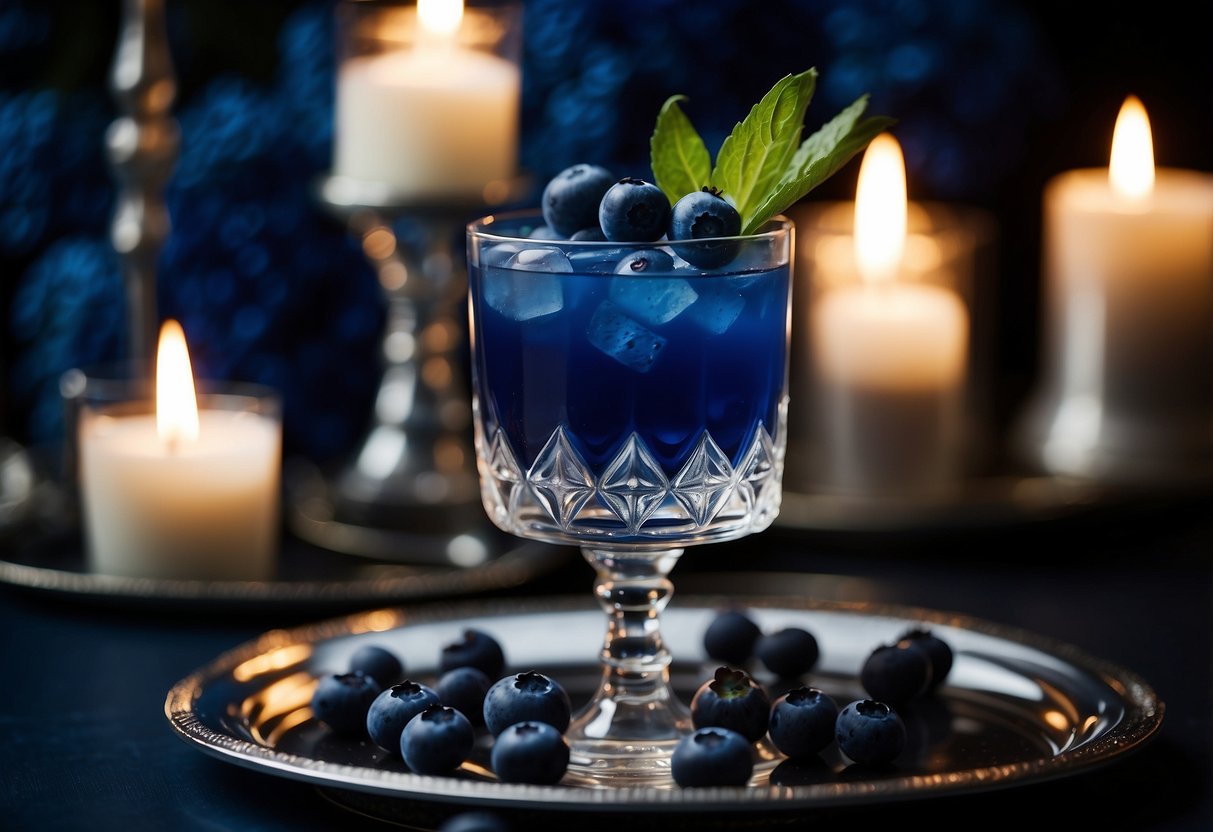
{"x": 627, "y": 739}
{"x": 559, "y": 498}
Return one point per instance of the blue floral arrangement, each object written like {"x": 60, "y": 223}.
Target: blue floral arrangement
{"x": 271, "y": 289}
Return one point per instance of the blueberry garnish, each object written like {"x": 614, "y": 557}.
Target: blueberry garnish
{"x": 648, "y": 261}
{"x": 544, "y": 232}
{"x": 700, "y": 215}
{"x": 870, "y": 732}
{"x": 571, "y": 198}
{"x": 634, "y": 210}
{"x": 733, "y": 700}
{"x": 712, "y": 756}
{"x": 593, "y": 234}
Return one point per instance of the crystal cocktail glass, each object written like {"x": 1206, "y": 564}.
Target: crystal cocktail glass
{"x": 631, "y": 404}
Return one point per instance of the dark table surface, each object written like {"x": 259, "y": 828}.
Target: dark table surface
{"x": 84, "y": 742}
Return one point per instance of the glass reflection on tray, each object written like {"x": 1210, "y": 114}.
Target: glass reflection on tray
{"x": 1016, "y": 708}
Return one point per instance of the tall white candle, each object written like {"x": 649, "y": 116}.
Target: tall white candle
{"x": 1128, "y": 261}
{"x": 181, "y": 493}
{"x": 432, "y": 119}
{"x": 889, "y": 355}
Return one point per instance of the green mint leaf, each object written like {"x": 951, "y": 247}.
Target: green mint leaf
{"x": 754, "y": 157}
{"x": 828, "y": 136}
{"x": 822, "y": 162}
{"x": 680, "y": 160}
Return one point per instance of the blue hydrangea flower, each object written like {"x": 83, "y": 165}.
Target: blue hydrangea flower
{"x": 270, "y": 288}
{"x": 68, "y": 311}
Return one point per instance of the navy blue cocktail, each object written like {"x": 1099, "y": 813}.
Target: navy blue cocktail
{"x": 632, "y": 404}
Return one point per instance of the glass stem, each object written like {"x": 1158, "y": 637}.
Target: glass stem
{"x": 633, "y": 588}
{"x": 635, "y": 713}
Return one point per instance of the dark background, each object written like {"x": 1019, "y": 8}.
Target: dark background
{"x": 992, "y": 99}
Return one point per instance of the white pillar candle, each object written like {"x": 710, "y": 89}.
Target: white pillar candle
{"x": 431, "y": 119}
{"x": 889, "y": 356}
{"x": 1128, "y": 261}
{"x": 181, "y": 493}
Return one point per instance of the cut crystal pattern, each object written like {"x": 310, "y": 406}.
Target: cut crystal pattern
{"x": 506, "y": 476}
{"x": 633, "y": 485}
{"x": 705, "y": 482}
{"x": 758, "y": 465}
{"x": 760, "y": 477}
{"x": 560, "y": 500}
{"x": 560, "y": 479}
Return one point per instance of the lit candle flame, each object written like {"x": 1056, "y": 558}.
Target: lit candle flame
{"x": 1131, "y": 168}
{"x": 880, "y": 210}
{"x": 440, "y": 18}
{"x": 176, "y": 401}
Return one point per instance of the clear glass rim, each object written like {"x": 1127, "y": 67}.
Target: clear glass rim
{"x": 774, "y": 228}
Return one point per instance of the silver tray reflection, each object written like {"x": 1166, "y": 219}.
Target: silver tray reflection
{"x": 42, "y": 550}
{"x": 979, "y": 503}
{"x": 307, "y": 578}
{"x": 1017, "y": 709}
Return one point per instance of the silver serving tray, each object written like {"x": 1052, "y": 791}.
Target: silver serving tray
{"x": 1017, "y": 709}
{"x": 304, "y": 580}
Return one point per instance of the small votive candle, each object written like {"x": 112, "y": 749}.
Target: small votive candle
{"x": 185, "y": 487}
{"x": 883, "y": 348}
{"x": 1127, "y": 379}
{"x": 427, "y": 98}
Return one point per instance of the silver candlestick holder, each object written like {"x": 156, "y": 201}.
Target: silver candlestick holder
{"x": 142, "y": 146}
{"x": 410, "y": 489}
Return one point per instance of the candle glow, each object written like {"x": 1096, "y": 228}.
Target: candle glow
{"x": 178, "y": 486}
{"x": 889, "y": 353}
{"x": 440, "y": 18}
{"x": 1131, "y": 167}
{"x": 425, "y": 110}
{"x": 1128, "y": 253}
{"x": 880, "y": 210}
{"x": 176, "y": 399}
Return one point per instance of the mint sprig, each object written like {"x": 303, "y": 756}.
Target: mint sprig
{"x": 763, "y": 167}
{"x": 755, "y": 156}
{"x": 681, "y": 162}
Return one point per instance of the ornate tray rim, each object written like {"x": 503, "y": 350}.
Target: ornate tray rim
{"x": 1143, "y": 715}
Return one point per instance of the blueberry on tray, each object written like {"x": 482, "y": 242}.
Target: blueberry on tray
{"x": 437, "y": 740}
{"x": 530, "y": 752}
{"x": 392, "y": 709}
{"x": 527, "y": 696}
{"x": 476, "y": 649}
{"x": 341, "y": 701}
{"x": 870, "y": 732}
{"x": 712, "y": 756}
{"x": 802, "y": 722}
{"x": 733, "y": 700}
